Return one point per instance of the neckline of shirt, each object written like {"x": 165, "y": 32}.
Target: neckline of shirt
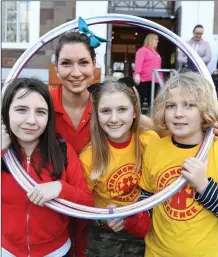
{"x": 120, "y": 145}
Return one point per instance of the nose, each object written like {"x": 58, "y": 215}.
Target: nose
{"x": 114, "y": 117}
{"x": 179, "y": 111}
{"x": 31, "y": 119}
{"x": 75, "y": 72}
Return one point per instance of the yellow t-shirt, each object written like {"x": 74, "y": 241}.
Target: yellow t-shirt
{"x": 119, "y": 185}
{"x": 181, "y": 226}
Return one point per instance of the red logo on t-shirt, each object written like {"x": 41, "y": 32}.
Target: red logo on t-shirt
{"x": 182, "y": 205}
{"x": 123, "y": 184}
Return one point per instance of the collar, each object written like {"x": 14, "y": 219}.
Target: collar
{"x": 57, "y": 99}
{"x": 184, "y": 146}
{"x": 120, "y": 145}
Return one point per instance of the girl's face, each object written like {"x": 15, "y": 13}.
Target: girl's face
{"x": 115, "y": 115}
{"x": 75, "y": 67}
{"x": 28, "y": 118}
{"x": 183, "y": 117}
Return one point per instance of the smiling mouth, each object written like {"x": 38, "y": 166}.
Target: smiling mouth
{"x": 76, "y": 83}
{"x": 114, "y": 126}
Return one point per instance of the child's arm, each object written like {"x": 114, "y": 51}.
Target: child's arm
{"x": 207, "y": 189}
{"x": 195, "y": 172}
{"x": 72, "y": 186}
{"x": 140, "y": 223}
{"x": 209, "y": 198}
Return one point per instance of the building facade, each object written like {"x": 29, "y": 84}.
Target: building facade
{"x": 23, "y": 22}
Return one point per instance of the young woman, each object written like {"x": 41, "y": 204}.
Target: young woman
{"x": 147, "y": 58}
{"x": 112, "y": 164}
{"x": 186, "y": 107}
{"x": 28, "y": 228}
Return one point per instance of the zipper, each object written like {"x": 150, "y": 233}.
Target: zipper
{"x": 28, "y": 214}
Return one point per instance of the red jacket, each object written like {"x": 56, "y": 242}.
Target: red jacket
{"x": 24, "y": 223}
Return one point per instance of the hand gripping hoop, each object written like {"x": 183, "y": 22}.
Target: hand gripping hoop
{"x": 82, "y": 211}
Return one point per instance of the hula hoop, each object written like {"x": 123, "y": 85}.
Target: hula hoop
{"x": 82, "y": 211}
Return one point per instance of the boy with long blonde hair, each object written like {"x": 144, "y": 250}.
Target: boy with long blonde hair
{"x": 186, "y": 106}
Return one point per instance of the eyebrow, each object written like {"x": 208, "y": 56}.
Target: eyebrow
{"x": 24, "y": 106}
{"x": 81, "y": 59}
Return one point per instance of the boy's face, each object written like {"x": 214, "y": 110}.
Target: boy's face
{"x": 183, "y": 117}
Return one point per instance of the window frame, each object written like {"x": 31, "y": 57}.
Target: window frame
{"x": 34, "y": 28}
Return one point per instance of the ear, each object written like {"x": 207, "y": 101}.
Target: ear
{"x": 134, "y": 115}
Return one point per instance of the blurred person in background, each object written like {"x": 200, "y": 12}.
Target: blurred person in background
{"x": 201, "y": 47}
{"x": 147, "y": 58}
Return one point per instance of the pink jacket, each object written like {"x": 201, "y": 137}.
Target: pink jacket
{"x": 146, "y": 60}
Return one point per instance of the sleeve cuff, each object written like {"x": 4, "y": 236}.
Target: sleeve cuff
{"x": 202, "y": 197}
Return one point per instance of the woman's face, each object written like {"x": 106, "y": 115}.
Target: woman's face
{"x": 28, "y": 116}
{"x": 75, "y": 67}
{"x": 198, "y": 33}
{"x": 155, "y": 41}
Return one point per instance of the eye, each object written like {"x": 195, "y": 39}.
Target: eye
{"x": 84, "y": 63}
{"x": 190, "y": 105}
{"x": 105, "y": 111}
{"x": 170, "y": 106}
{"x": 65, "y": 63}
{"x": 21, "y": 110}
{"x": 122, "y": 109}
{"x": 41, "y": 112}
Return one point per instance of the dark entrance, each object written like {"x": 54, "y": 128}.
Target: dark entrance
{"x": 126, "y": 40}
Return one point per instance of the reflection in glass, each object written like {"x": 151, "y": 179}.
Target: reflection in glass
{"x": 11, "y": 5}
{"x": 11, "y": 15}
{"x": 11, "y": 32}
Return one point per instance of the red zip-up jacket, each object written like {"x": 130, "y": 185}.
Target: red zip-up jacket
{"x": 31, "y": 230}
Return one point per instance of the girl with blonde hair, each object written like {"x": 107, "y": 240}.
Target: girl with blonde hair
{"x": 112, "y": 165}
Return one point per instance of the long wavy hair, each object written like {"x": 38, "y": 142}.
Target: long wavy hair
{"x": 50, "y": 152}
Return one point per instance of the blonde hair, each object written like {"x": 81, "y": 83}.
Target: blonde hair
{"x": 149, "y": 39}
{"x": 201, "y": 90}
{"x": 99, "y": 141}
